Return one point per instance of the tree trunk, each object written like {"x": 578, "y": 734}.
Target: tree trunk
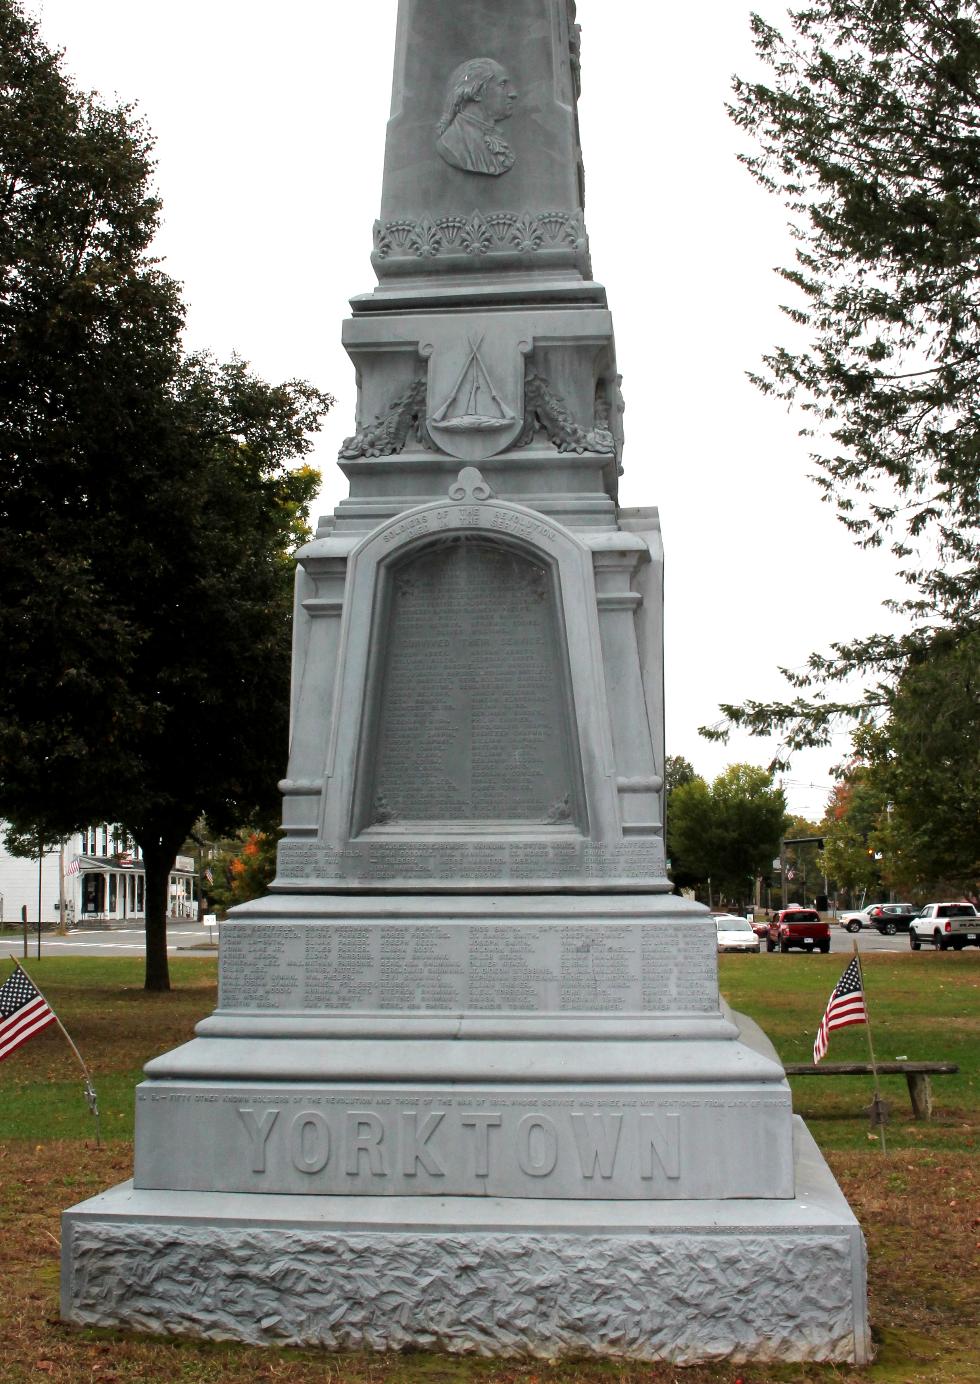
{"x": 159, "y": 853}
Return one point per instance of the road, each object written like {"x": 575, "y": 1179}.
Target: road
{"x": 184, "y": 938}
{"x": 868, "y": 940}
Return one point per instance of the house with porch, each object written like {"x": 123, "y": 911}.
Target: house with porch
{"x": 98, "y": 873}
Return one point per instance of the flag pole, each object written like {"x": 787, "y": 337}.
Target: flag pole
{"x": 871, "y": 1048}
{"x": 90, "y": 1097}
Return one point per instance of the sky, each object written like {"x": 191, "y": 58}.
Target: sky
{"x": 269, "y": 123}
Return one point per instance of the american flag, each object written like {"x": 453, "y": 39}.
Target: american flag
{"x": 23, "y": 1011}
{"x": 845, "y": 1006}
{"x": 74, "y": 867}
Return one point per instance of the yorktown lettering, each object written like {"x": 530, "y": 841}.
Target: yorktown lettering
{"x": 405, "y": 1142}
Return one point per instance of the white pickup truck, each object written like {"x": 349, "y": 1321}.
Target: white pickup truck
{"x": 946, "y": 925}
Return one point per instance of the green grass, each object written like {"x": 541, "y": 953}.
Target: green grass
{"x": 923, "y": 1006}
{"x": 116, "y": 1026}
{"x": 918, "y": 1212}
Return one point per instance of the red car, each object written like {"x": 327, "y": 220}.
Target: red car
{"x": 798, "y": 927}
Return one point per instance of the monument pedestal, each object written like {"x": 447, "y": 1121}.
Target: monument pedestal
{"x": 513, "y": 1124}
{"x": 693, "y": 1280}
{"x": 517, "y": 1046}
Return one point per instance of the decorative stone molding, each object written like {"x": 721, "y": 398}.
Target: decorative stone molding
{"x": 478, "y": 234}
{"x": 543, "y": 408}
{"x": 469, "y": 485}
{"x": 390, "y": 431}
{"x": 381, "y": 813}
{"x": 609, "y": 409}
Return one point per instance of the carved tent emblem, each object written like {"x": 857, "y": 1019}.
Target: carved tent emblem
{"x": 476, "y": 388}
{"x": 473, "y": 405}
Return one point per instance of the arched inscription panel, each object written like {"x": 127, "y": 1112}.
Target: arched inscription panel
{"x": 469, "y": 717}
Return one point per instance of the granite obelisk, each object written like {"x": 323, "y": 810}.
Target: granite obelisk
{"x": 470, "y": 1049}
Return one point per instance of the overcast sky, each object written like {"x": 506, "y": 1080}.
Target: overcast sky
{"x": 270, "y": 122}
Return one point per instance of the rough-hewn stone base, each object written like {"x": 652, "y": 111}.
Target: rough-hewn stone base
{"x": 684, "y": 1281}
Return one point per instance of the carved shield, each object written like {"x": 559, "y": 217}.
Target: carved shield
{"x": 476, "y": 385}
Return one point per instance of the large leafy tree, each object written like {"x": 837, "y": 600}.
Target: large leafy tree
{"x": 923, "y": 763}
{"x": 906, "y": 812}
{"x": 869, "y": 131}
{"x": 728, "y": 831}
{"x": 148, "y": 503}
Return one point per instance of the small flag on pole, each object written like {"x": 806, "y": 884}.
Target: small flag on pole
{"x": 208, "y": 875}
{"x": 845, "y": 1006}
{"x": 23, "y": 1011}
{"x": 74, "y": 867}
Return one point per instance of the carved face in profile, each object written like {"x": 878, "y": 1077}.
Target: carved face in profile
{"x": 498, "y": 96}
{"x": 480, "y": 95}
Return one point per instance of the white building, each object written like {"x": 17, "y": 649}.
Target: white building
{"x": 103, "y": 882}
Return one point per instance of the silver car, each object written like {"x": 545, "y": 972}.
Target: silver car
{"x": 855, "y": 919}
{"x": 735, "y": 933}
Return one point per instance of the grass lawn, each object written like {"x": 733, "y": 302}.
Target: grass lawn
{"x": 918, "y": 1204}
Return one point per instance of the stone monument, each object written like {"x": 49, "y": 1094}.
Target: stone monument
{"x": 470, "y": 1085}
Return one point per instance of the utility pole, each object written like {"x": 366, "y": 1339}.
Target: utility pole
{"x": 62, "y": 926}
{"x": 795, "y": 841}
{"x": 40, "y": 865}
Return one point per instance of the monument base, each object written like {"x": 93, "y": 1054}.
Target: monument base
{"x": 685, "y": 1281}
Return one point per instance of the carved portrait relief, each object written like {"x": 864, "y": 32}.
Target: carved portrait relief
{"x": 479, "y": 97}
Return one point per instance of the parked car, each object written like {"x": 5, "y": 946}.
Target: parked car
{"x": 760, "y": 926}
{"x": 946, "y": 925}
{"x": 798, "y": 927}
{"x": 735, "y": 933}
{"x": 890, "y": 918}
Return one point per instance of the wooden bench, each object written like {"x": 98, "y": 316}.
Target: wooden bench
{"x": 917, "y": 1075}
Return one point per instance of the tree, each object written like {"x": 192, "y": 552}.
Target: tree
{"x": 253, "y": 869}
{"x": 148, "y": 504}
{"x": 905, "y": 813}
{"x": 849, "y": 832}
{"x": 728, "y": 832}
{"x": 226, "y": 511}
{"x": 923, "y": 764}
{"x": 677, "y": 771}
{"x": 242, "y": 866}
{"x": 870, "y": 133}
